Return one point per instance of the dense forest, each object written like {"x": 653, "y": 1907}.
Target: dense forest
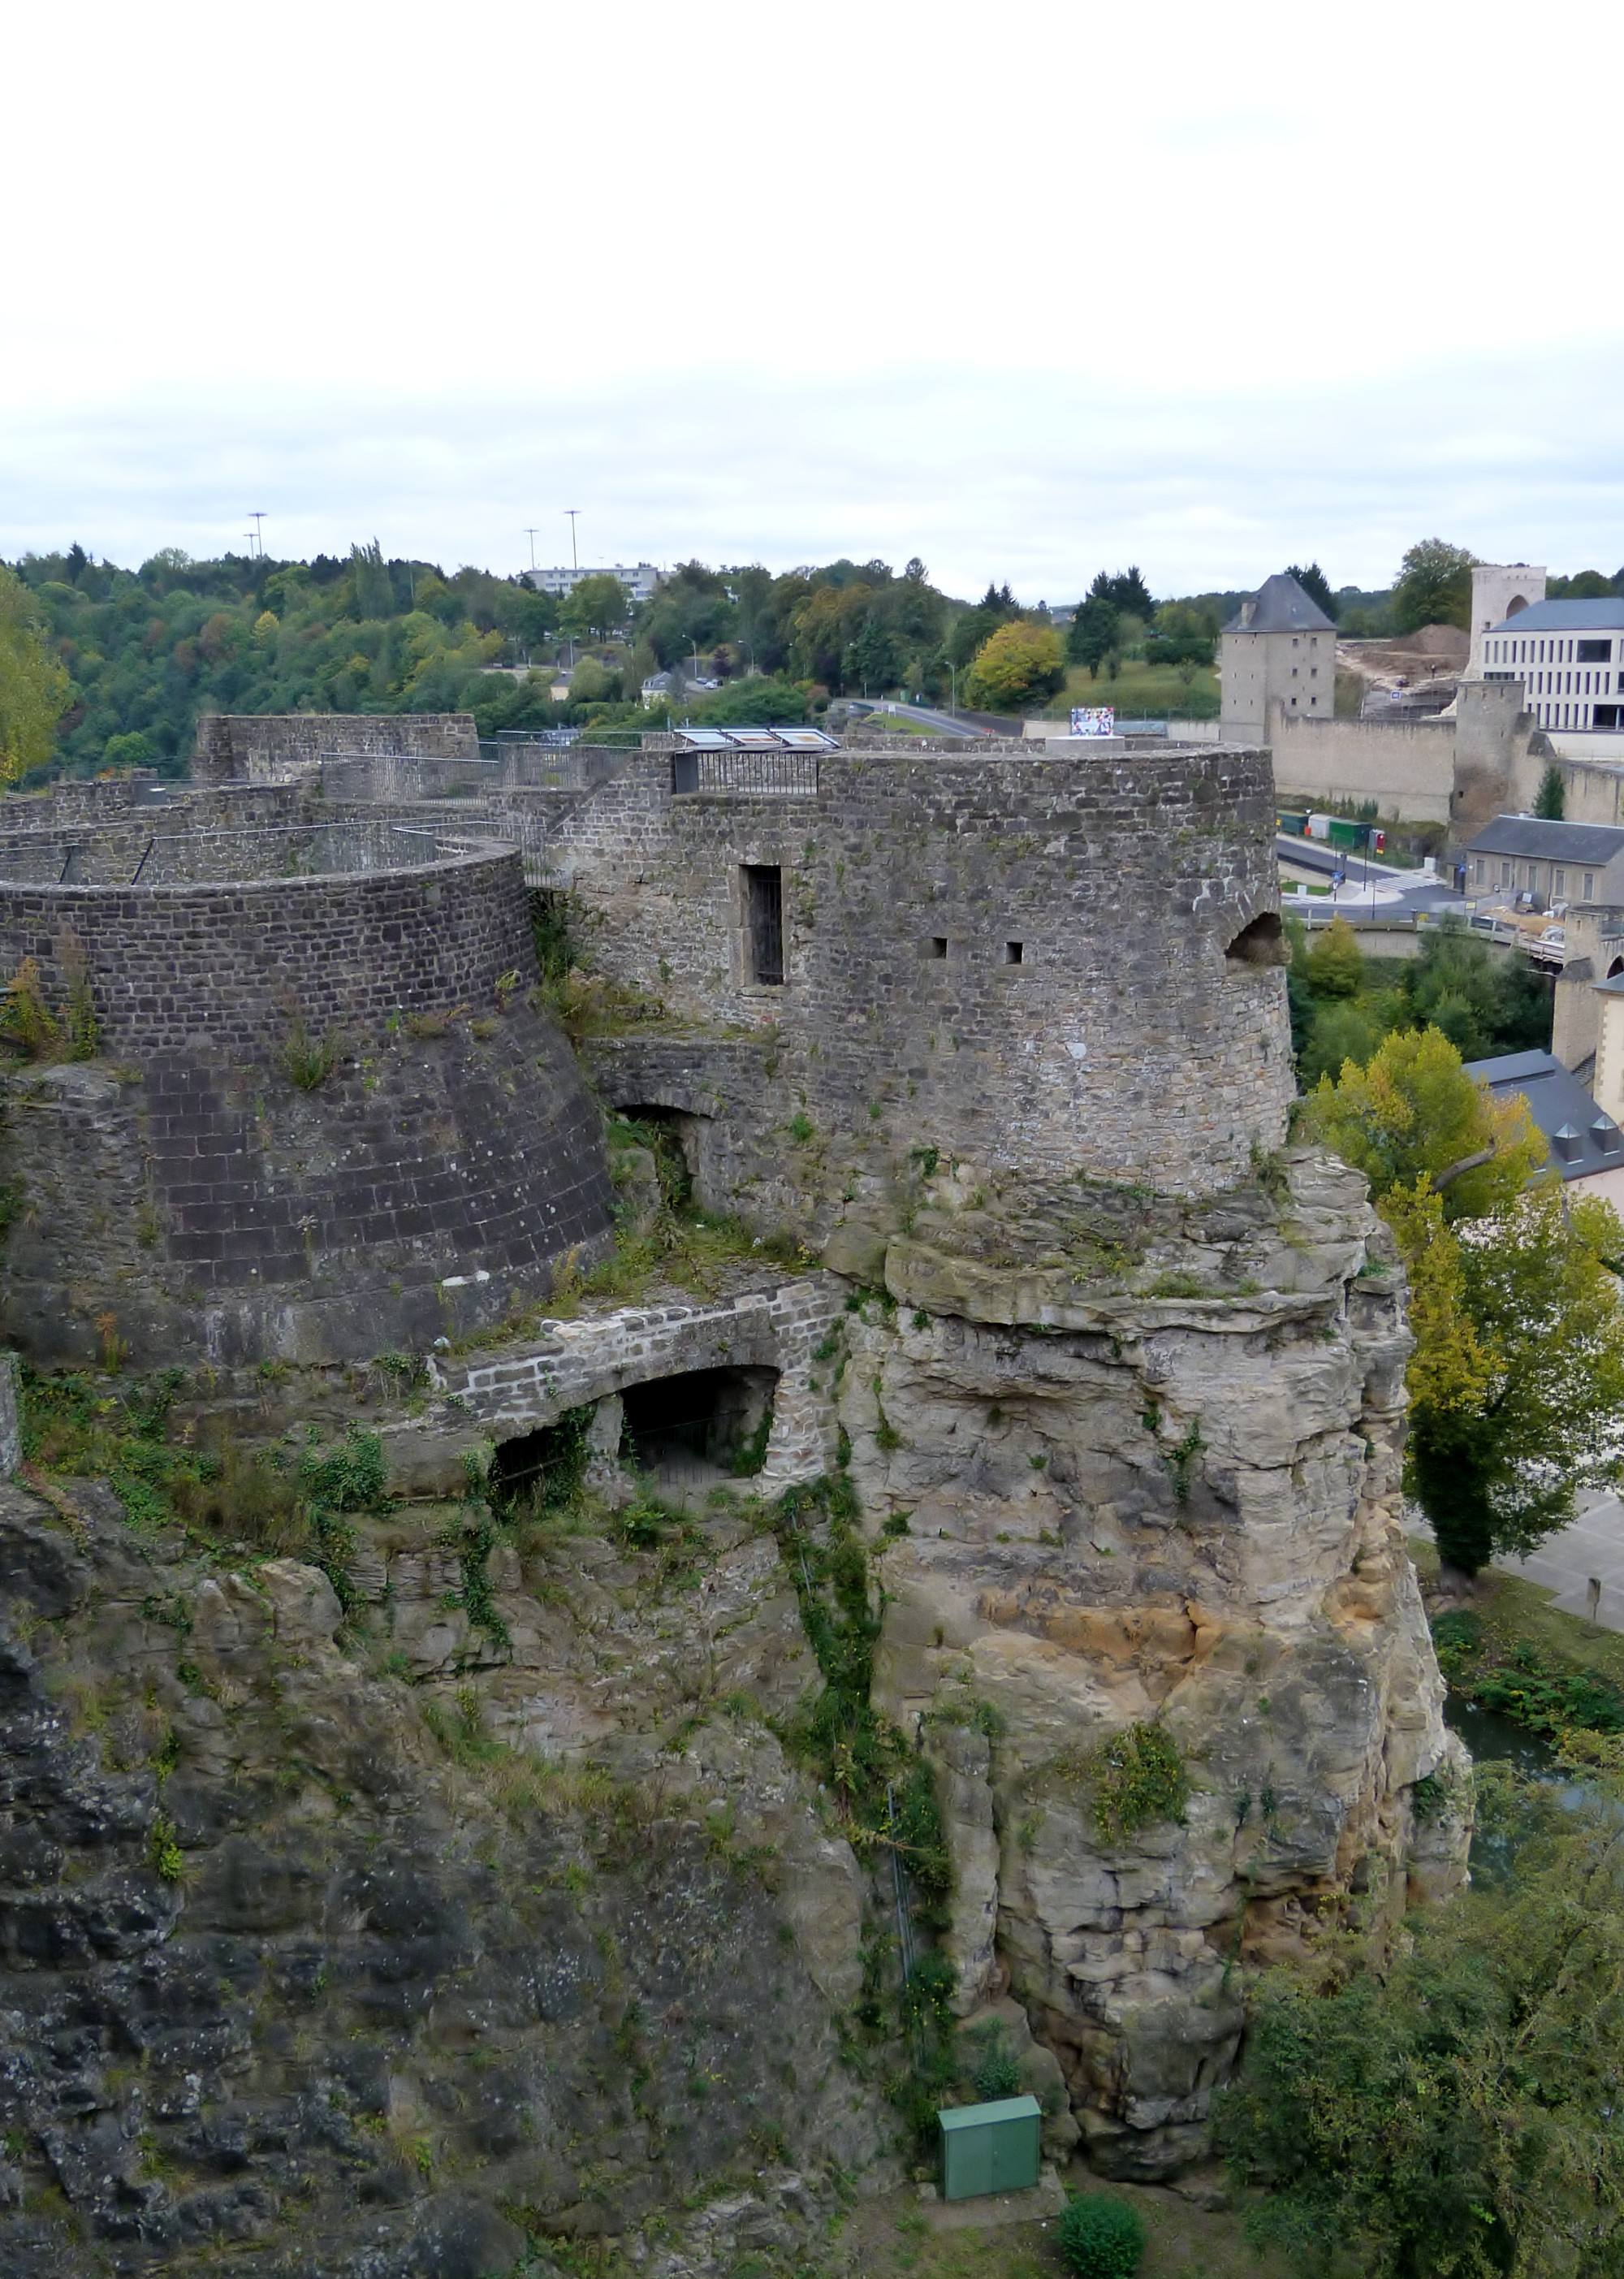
{"x": 147, "y": 651}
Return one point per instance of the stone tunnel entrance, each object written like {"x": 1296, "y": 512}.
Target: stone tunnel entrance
{"x": 681, "y": 1435}
{"x": 687, "y": 1434}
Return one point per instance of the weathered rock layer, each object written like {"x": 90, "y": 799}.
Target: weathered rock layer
{"x": 1165, "y": 1497}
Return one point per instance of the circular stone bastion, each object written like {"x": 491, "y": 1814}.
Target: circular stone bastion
{"x": 297, "y": 1096}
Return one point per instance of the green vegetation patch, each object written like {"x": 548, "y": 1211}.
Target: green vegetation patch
{"x": 1531, "y": 1685}
{"x": 1137, "y": 1778}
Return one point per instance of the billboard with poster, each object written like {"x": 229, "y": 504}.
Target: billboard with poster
{"x": 1093, "y": 719}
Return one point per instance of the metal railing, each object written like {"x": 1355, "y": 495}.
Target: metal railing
{"x": 774, "y": 775}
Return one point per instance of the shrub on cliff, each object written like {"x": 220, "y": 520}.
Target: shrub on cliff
{"x": 1100, "y": 2237}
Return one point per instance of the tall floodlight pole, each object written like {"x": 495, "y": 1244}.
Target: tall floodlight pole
{"x": 531, "y": 535}
{"x": 572, "y": 512}
{"x": 256, "y": 515}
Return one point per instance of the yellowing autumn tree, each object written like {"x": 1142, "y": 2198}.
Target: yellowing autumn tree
{"x": 1412, "y": 1111}
{"x": 33, "y": 689}
{"x": 1516, "y": 1381}
{"x": 1019, "y": 665}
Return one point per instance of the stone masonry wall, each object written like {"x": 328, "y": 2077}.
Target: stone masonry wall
{"x": 221, "y": 966}
{"x": 1119, "y": 1037}
{"x": 514, "y": 1391}
{"x": 248, "y": 746}
{"x": 186, "y": 1185}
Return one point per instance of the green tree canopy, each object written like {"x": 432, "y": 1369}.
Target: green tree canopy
{"x": 1434, "y": 587}
{"x": 1126, "y": 591}
{"x": 33, "y": 687}
{"x": 1517, "y": 1380}
{"x": 761, "y": 701}
{"x": 1091, "y": 636}
{"x": 1455, "y": 2116}
{"x": 1551, "y": 800}
{"x": 1414, "y": 1113}
{"x": 1516, "y": 1400}
{"x": 1316, "y": 585}
{"x": 972, "y": 628}
{"x": 598, "y": 605}
{"x": 1583, "y": 586}
{"x": 1018, "y": 666}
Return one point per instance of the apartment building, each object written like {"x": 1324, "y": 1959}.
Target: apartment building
{"x": 1569, "y": 656}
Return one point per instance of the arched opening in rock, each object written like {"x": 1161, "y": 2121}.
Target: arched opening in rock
{"x": 541, "y": 1470}
{"x": 1262, "y": 942}
{"x": 673, "y": 1136}
{"x": 689, "y": 1433}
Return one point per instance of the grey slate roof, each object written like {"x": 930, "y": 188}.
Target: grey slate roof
{"x": 1583, "y": 1138}
{"x": 1281, "y": 606}
{"x": 1603, "y": 616}
{"x": 1549, "y": 842}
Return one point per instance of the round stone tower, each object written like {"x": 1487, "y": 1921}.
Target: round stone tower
{"x": 321, "y": 1113}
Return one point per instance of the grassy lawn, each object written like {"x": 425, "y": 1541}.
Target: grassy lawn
{"x": 1516, "y": 1612}
{"x": 1184, "y": 2243}
{"x": 1140, "y": 692}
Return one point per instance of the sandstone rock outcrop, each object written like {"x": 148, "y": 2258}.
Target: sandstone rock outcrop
{"x": 1139, "y": 1464}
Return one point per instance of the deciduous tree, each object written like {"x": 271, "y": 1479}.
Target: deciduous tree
{"x": 1020, "y": 664}
{"x": 1434, "y": 587}
{"x": 33, "y": 687}
{"x": 598, "y": 605}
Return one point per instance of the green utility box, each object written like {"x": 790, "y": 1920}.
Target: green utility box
{"x": 991, "y": 2148}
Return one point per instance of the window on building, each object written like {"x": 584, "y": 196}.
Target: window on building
{"x": 1293, "y": 672}
{"x": 764, "y": 918}
{"x": 1558, "y": 884}
{"x": 938, "y": 945}
{"x": 1595, "y": 652}
{"x": 1015, "y": 953}
{"x": 1314, "y": 673}
{"x": 1589, "y": 885}
{"x": 1505, "y": 874}
{"x": 1480, "y": 870}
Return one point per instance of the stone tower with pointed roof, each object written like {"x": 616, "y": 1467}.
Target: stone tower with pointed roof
{"x": 1281, "y": 649}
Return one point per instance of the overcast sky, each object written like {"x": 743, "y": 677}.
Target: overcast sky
{"x": 1206, "y": 289}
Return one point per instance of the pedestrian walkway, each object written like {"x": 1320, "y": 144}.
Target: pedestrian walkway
{"x": 1592, "y": 1550}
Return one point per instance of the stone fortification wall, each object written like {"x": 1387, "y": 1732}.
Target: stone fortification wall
{"x": 434, "y": 1169}
{"x": 1592, "y": 791}
{"x": 264, "y": 748}
{"x": 219, "y": 966}
{"x": 1021, "y": 960}
{"x": 239, "y": 851}
{"x": 1407, "y": 767}
{"x": 1501, "y": 755}
{"x": 502, "y": 1395}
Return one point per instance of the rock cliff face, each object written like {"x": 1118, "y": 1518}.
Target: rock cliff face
{"x": 305, "y": 1973}
{"x": 1143, "y": 1461}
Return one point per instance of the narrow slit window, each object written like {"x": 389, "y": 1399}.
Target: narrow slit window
{"x": 938, "y": 945}
{"x": 1015, "y": 953}
{"x": 764, "y": 896}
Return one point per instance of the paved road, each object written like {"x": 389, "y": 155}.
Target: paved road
{"x": 1415, "y": 891}
{"x": 1565, "y": 1563}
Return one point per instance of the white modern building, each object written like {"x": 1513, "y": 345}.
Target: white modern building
{"x": 640, "y": 582}
{"x": 1569, "y": 656}
{"x": 1281, "y": 649}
